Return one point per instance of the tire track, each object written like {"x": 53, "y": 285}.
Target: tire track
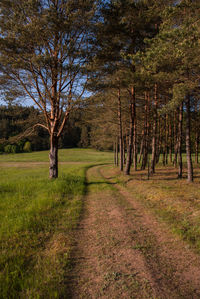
{"x": 172, "y": 264}
{"x": 117, "y": 252}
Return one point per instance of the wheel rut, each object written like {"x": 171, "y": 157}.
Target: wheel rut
{"x": 121, "y": 251}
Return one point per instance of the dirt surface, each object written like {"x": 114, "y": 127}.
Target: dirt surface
{"x": 122, "y": 251}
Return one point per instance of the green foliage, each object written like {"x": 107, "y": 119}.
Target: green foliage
{"x": 11, "y": 149}
{"x": 27, "y": 147}
{"x": 8, "y": 149}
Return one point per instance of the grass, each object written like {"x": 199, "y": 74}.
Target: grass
{"x": 38, "y": 216}
{"x": 37, "y": 219}
{"x": 65, "y": 155}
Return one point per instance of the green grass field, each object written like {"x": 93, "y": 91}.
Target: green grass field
{"x": 37, "y": 218}
{"x": 65, "y": 155}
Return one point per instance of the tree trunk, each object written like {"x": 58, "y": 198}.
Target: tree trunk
{"x": 117, "y": 152}
{"x": 163, "y": 160}
{"x": 179, "y": 142}
{"x": 146, "y": 132}
{"x": 153, "y": 158}
{"x": 159, "y": 142}
{"x": 131, "y": 132}
{"x": 196, "y": 134}
{"x": 141, "y": 147}
{"x": 124, "y": 150}
{"x": 53, "y": 157}
{"x": 134, "y": 132}
{"x": 176, "y": 113}
{"x": 120, "y": 131}
{"x": 166, "y": 139}
{"x": 114, "y": 149}
{"x": 170, "y": 141}
{"x": 188, "y": 141}
{"x": 196, "y": 147}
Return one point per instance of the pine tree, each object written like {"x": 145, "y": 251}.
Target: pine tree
{"x": 44, "y": 47}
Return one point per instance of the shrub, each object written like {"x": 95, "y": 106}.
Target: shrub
{"x": 20, "y": 145}
{"x": 8, "y": 149}
{"x": 14, "y": 149}
{"x": 27, "y": 147}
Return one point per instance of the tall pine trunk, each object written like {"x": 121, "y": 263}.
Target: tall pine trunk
{"x": 146, "y": 132}
{"x": 131, "y": 132}
{"x": 114, "y": 150}
{"x": 153, "y": 158}
{"x": 166, "y": 139}
{"x": 120, "y": 131}
{"x": 196, "y": 135}
{"x": 159, "y": 141}
{"x": 170, "y": 140}
{"x": 188, "y": 142}
{"x": 134, "y": 131}
{"x": 141, "y": 146}
{"x": 176, "y": 115}
{"x": 124, "y": 150}
{"x": 117, "y": 152}
{"x": 179, "y": 142}
{"x": 196, "y": 147}
{"x": 53, "y": 157}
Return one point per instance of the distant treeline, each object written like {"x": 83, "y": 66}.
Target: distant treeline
{"x": 17, "y": 133}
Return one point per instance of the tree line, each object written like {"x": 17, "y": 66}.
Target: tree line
{"x": 138, "y": 59}
{"x": 147, "y": 74}
{"x": 17, "y": 135}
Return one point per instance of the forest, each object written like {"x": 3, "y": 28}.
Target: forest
{"x": 99, "y": 149}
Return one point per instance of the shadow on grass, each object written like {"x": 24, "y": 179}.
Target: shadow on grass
{"x": 72, "y": 275}
{"x": 86, "y": 183}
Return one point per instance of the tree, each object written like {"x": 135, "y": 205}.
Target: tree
{"x": 44, "y": 47}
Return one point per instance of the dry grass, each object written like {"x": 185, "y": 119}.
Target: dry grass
{"x": 173, "y": 201}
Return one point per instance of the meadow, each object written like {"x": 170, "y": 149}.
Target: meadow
{"x": 37, "y": 219}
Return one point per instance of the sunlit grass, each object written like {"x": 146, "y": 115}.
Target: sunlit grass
{"x": 65, "y": 155}
{"x": 37, "y": 217}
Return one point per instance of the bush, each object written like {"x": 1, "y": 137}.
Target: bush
{"x": 8, "y": 149}
{"x": 11, "y": 149}
{"x": 20, "y": 145}
{"x": 14, "y": 149}
{"x": 27, "y": 147}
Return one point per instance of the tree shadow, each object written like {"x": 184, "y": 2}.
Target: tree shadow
{"x": 72, "y": 275}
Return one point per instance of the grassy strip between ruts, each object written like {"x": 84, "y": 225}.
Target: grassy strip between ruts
{"x": 173, "y": 201}
{"x": 37, "y": 219}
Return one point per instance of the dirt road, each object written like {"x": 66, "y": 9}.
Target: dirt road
{"x": 122, "y": 251}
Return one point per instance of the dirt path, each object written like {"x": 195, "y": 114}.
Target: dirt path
{"x": 123, "y": 252}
